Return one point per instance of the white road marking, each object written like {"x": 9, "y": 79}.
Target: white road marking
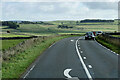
{"x": 106, "y": 48}
{"x": 27, "y": 74}
{"x": 66, "y": 73}
{"x": 79, "y": 48}
{"x": 29, "y": 71}
{"x": 83, "y": 64}
{"x": 74, "y": 78}
{"x": 84, "y": 57}
{"x": 89, "y": 66}
{"x": 52, "y": 45}
{"x": 72, "y": 40}
{"x": 32, "y": 67}
{"x": 81, "y": 51}
{"x": 78, "y": 45}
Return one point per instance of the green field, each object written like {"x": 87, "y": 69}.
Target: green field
{"x": 13, "y": 35}
{"x": 47, "y": 30}
{"x": 26, "y": 30}
{"x": 6, "y": 44}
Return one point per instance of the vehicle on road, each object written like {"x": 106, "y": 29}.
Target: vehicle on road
{"x": 89, "y": 36}
{"x": 99, "y": 32}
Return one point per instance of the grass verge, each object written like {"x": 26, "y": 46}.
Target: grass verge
{"x": 14, "y": 67}
{"x": 109, "y": 45}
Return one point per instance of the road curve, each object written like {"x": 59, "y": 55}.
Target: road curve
{"x": 75, "y": 58}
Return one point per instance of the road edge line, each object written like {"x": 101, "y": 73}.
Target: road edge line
{"x": 83, "y": 64}
{"x": 106, "y": 48}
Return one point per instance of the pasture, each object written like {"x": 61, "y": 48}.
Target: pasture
{"x": 6, "y": 44}
{"x": 47, "y": 30}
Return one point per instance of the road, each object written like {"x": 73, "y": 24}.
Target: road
{"x": 75, "y": 58}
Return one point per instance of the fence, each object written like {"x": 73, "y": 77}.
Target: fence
{"x": 21, "y": 47}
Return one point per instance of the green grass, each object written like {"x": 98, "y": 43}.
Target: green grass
{"x": 109, "y": 45}
{"x": 13, "y": 35}
{"x": 115, "y": 35}
{"x": 6, "y": 44}
{"x": 19, "y": 63}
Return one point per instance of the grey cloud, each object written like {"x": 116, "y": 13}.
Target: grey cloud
{"x": 102, "y": 5}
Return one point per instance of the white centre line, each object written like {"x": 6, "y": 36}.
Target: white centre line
{"x": 84, "y": 57}
{"x": 89, "y": 66}
{"x": 72, "y": 40}
{"x": 81, "y": 51}
{"x": 83, "y": 64}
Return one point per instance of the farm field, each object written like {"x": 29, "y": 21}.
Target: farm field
{"x": 47, "y": 30}
{"x": 6, "y": 44}
{"x": 13, "y": 35}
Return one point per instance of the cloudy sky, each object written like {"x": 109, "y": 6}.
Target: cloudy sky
{"x": 48, "y": 11}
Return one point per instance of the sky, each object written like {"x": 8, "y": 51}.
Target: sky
{"x": 51, "y": 11}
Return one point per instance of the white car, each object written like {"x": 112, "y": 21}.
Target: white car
{"x": 99, "y": 32}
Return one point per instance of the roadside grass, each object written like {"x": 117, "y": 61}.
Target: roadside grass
{"x": 115, "y": 35}
{"x": 6, "y": 44}
{"x": 109, "y": 45}
{"x": 17, "y": 65}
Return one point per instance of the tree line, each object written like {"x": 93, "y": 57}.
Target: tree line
{"x": 96, "y": 20}
{"x": 10, "y": 24}
{"x": 38, "y": 22}
{"x": 64, "y": 26}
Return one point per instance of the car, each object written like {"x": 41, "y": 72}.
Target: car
{"x": 99, "y": 32}
{"x": 89, "y": 36}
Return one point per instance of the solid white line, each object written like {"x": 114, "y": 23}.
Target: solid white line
{"x": 29, "y": 71}
{"x": 83, "y": 64}
{"x": 32, "y": 67}
{"x": 66, "y": 73}
{"x": 27, "y": 74}
{"x": 52, "y": 45}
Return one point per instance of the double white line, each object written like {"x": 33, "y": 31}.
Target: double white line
{"x": 83, "y": 64}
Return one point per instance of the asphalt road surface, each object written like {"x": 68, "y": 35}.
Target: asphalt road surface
{"x": 75, "y": 58}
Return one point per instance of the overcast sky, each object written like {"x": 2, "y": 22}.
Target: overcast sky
{"x": 48, "y": 11}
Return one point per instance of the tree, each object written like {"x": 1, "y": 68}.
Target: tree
{"x": 10, "y": 24}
